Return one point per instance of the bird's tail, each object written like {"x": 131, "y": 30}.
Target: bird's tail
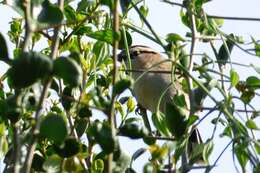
{"x": 194, "y": 153}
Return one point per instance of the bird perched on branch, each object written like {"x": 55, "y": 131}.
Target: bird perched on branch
{"x": 156, "y": 83}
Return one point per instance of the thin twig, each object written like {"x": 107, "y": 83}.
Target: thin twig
{"x": 28, "y": 29}
{"x": 215, "y": 16}
{"x": 148, "y": 25}
{"x": 140, "y": 31}
{"x": 223, "y": 151}
{"x": 234, "y": 18}
{"x": 237, "y": 110}
{"x": 173, "y": 3}
{"x": 17, "y": 148}
{"x": 111, "y": 116}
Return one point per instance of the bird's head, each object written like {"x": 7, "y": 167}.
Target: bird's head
{"x": 135, "y": 52}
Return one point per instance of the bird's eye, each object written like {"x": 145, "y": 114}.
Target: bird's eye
{"x": 133, "y": 54}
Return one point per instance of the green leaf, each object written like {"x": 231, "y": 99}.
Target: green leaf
{"x": 173, "y": 37}
{"x": 256, "y": 168}
{"x": 257, "y": 47}
{"x": 234, "y": 77}
{"x": 257, "y": 146}
{"x": 68, "y": 69}
{"x": 81, "y": 126}
{"x": 160, "y": 123}
{"x": 256, "y": 68}
{"x": 52, "y": 164}
{"x": 3, "y": 146}
{"x": 176, "y": 120}
{"x": 253, "y": 82}
{"x": 72, "y": 164}
{"x": 107, "y": 35}
{"x": 224, "y": 52}
{"x": 97, "y": 166}
{"x": 28, "y": 68}
{"x": 121, "y": 86}
{"x": 50, "y": 14}
{"x": 207, "y": 150}
{"x": 197, "y": 153}
{"x": 192, "y": 119}
{"x": 138, "y": 153}
{"x": 130, "y": 104}
{"x": 104, "y": 136}
{"x": 242, "y": 155}
{"x": 251, "y": 124}
{"x": 53, "y": 127}
{"x": 70, "y": 13}
{"x": 83, "y": 4}
{"x": 247, "y": 96}
{"x": 144, "y": 10}
{"x": 83, "y": 30}
{"x": 3, "y": 50}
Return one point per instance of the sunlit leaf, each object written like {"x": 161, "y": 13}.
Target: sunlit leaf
{"x": 97, "y": 166}
{"x": 242, "y": 155}
{"x": 234, "y": 77}
{"x": 70, "y": 13}
{"x": 207, "y": 150}
{"x": 173, "y": 37}
{"x": 52, "y": 164}
{"x": 251, "y": 124}
{"x": 253, "y": 82}
{"x": 257, "y": 46}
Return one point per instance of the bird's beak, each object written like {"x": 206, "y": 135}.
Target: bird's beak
{"x": 121, "y": 56}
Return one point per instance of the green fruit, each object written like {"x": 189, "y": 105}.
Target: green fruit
{"x": 70, "y": 148}
{"x": 53, "y": 127}
{"x": 28, "y": 68}
{"x": 68, "y": 70}
{"x": 133, "y": 131}
{"x": 12, "y": 108}
{"x": 149, "y": 140}
{"x": 104, "y": 136}
{"x": 66, "y": 99}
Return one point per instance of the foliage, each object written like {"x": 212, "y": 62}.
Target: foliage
{"x": 52, "y": 98}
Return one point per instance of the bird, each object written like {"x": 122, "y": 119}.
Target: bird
{"x": 151, "y": 72}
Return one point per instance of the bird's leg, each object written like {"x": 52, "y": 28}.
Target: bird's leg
{"x": 142, "y": 111}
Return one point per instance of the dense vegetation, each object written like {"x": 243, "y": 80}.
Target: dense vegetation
{"x": 58, "y": 102}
